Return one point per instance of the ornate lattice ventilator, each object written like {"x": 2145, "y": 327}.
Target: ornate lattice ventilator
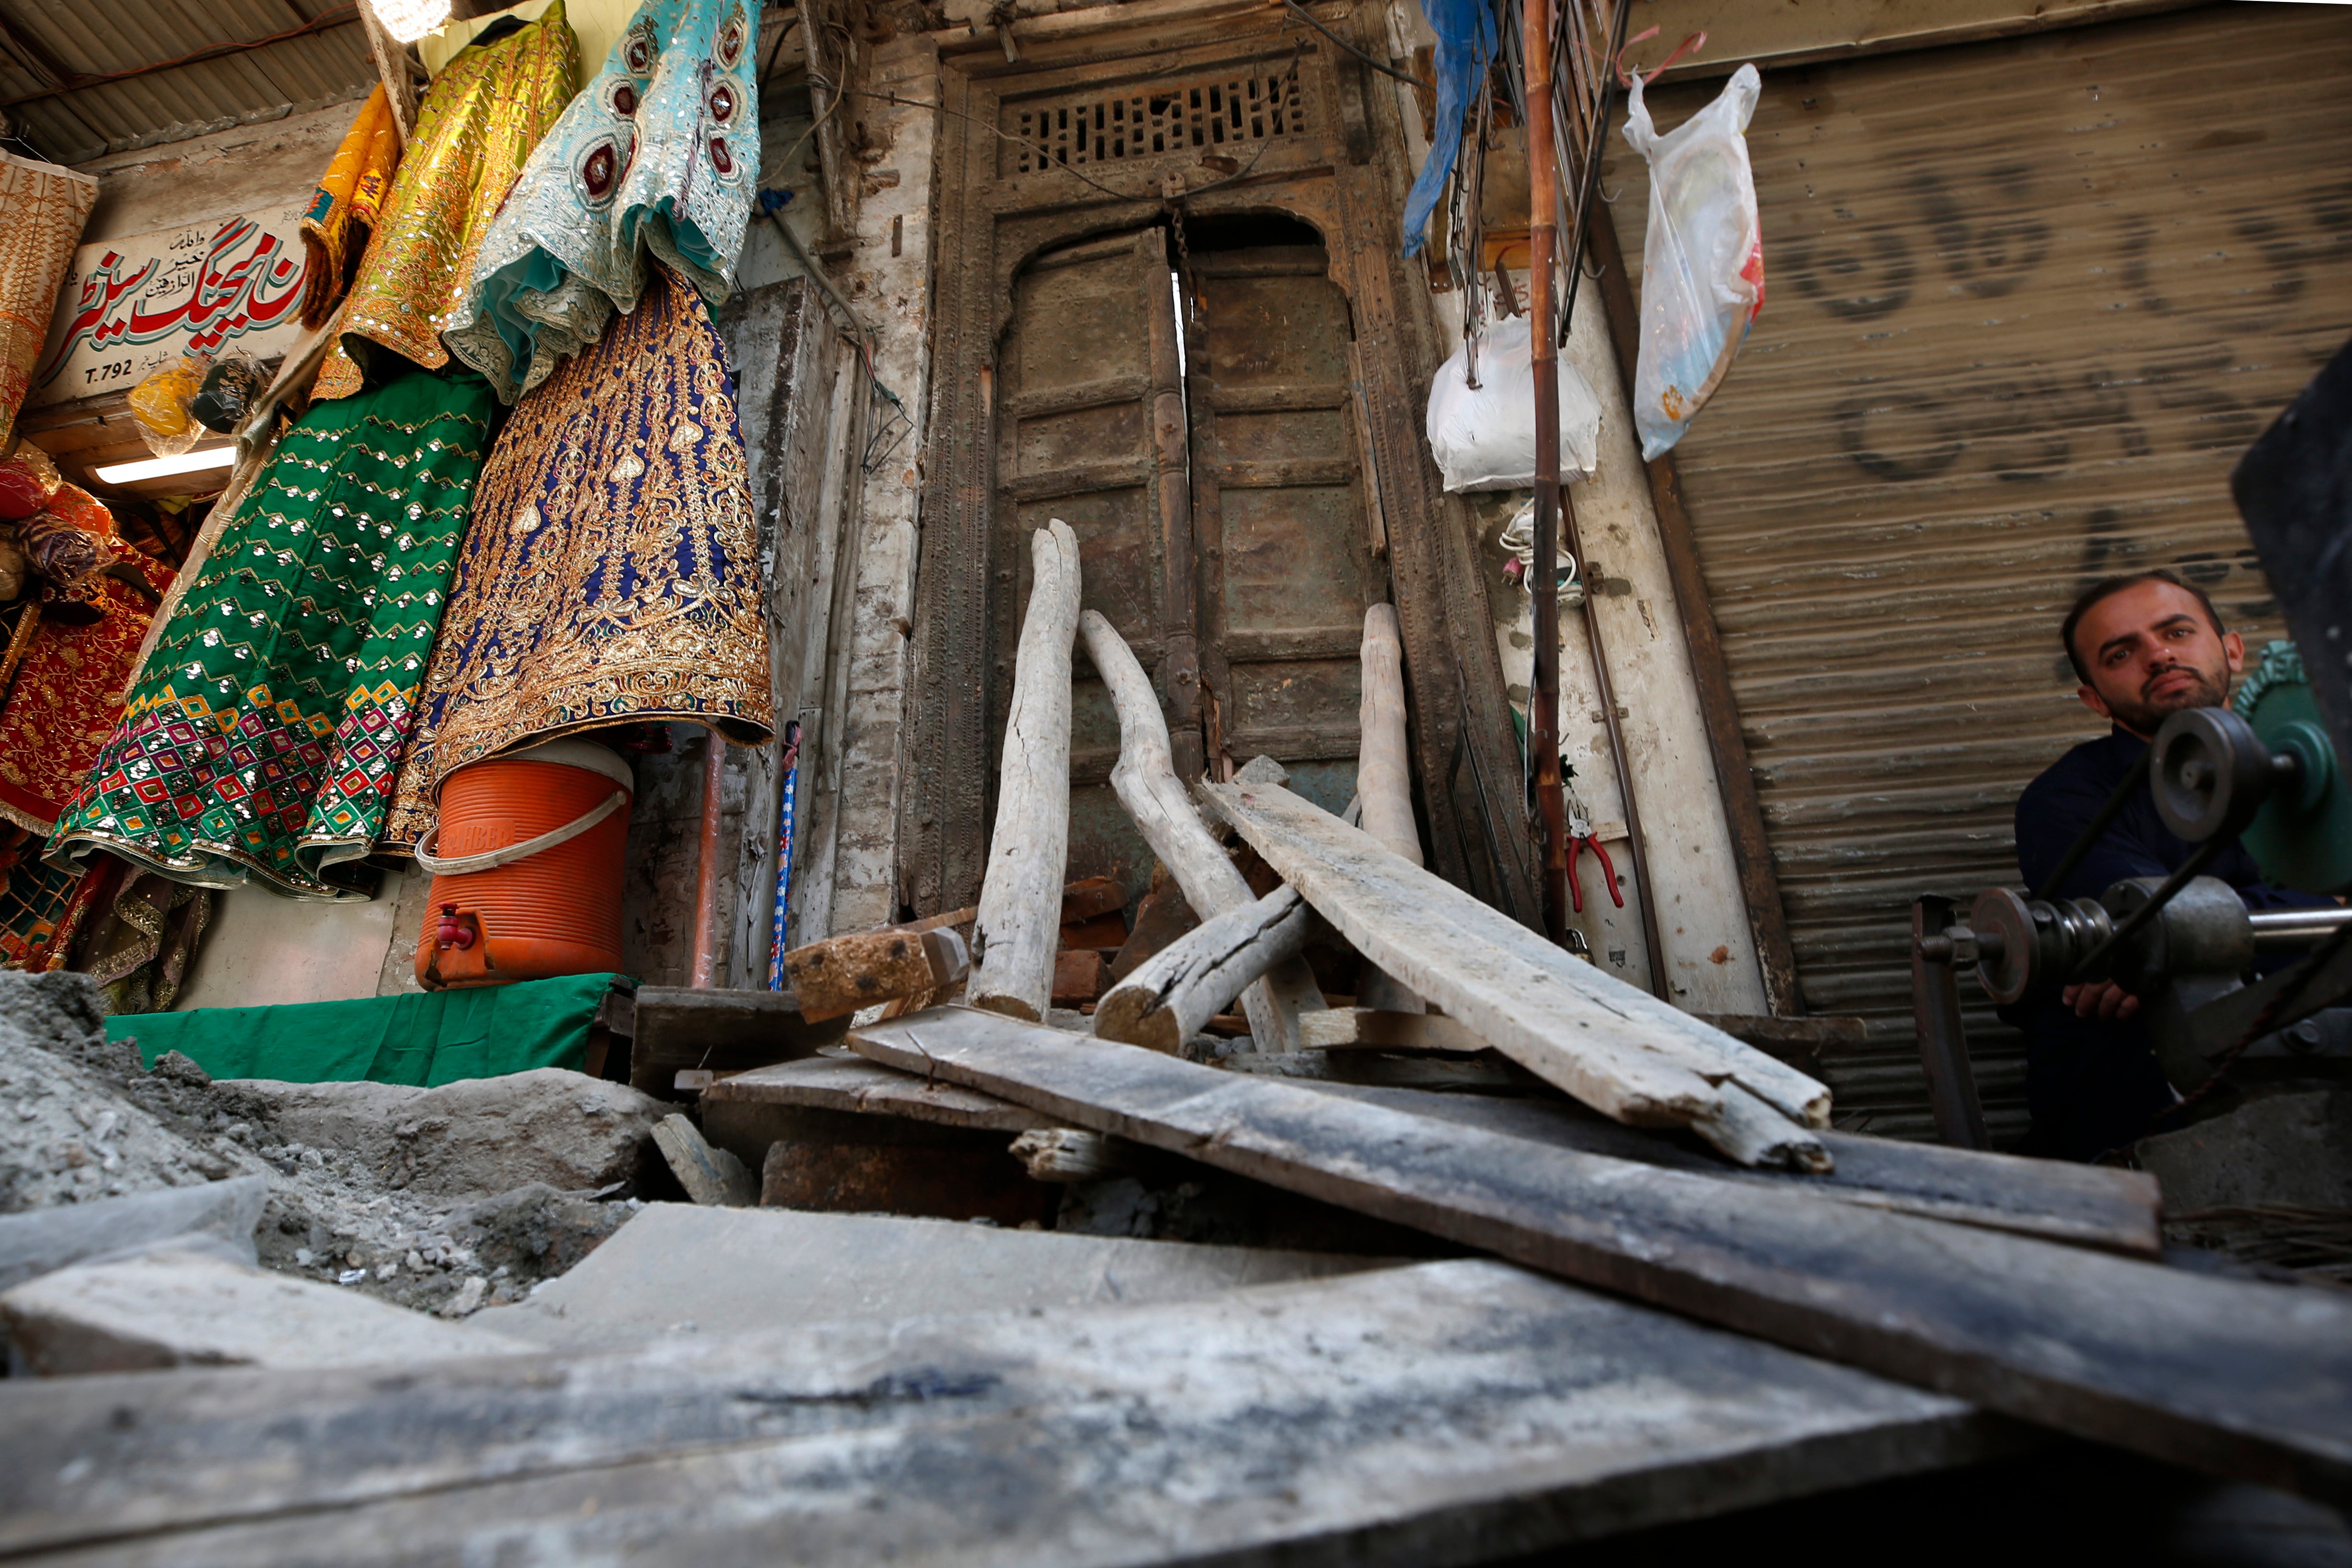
{"x": 1154, "y": 119}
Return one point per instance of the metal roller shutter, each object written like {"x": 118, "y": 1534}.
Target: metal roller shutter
{"x": 2028, "y": 301}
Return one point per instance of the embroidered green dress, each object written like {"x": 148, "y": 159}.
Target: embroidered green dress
{"x": 262, "y": 743}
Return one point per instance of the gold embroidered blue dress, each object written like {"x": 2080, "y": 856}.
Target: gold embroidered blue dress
{"x": 611, "y": 574}
{"x": 658, "y": 156}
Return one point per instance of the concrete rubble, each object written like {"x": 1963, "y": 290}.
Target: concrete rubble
{"x": 440, "y": 1199}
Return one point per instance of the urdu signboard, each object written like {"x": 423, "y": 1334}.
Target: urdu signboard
{"x": 130, "y": 304}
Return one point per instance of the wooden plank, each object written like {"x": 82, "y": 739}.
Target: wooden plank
{"x": 678, "y": 1027}
{"x": 1384, "y": 1417}
{"x": 2082, "y": 1206}
{"x": 1145, "y": 780}
{"x": 712, "y": 1178}
{"x": 2249, "y": 1380}
{"x": 1384, "y": 776}
{"x": 1617, "y": 1049}
{"x": 849, "y": 1084}
{"x": 1014, "y": 934}
{"x": 1377, "y": 1029}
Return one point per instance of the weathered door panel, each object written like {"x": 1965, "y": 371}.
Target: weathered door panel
{"x": 1278, "y": 508}
{"x": 1087, "y": 364}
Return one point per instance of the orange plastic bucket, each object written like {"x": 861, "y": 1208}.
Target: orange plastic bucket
{"x": 527, "y": 862}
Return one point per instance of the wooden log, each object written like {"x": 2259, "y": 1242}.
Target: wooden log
{"x": 679, "y": 1028}
{"x": 1145, "y": 780}
{"x": 1014, "y": 934}
{"x": 2245, "y": 1379}
{"x": 1384, "y": 778}
{"x": 1375, "y": 1028}
{"x": 843, "y": 974}
{"x": 1173, "y": 994}
{"x": 1253, "y": 1426}
{"x": 1617, "y": 1049}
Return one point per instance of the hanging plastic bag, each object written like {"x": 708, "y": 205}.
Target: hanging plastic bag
{"x": 160, "y": 403}
{"x": 231, "y": 387}
{"x": 1483, "y": 437}
{"x": 1703, "y": 264}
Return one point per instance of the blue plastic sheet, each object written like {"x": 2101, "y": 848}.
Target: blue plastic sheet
{"x": 1466, "y": 46}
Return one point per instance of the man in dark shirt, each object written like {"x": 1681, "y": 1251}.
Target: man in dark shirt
{"x": 2146, "y": 646}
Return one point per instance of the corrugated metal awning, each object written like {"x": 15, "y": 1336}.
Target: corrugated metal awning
{"x": 2028, "y": 301}
{"x": 44, "y": 42}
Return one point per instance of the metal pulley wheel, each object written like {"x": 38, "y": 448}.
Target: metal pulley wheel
{"x": 2210, "y": 773}
{"x": 2303, "y": 838}
{"x": 2026, "y": 950}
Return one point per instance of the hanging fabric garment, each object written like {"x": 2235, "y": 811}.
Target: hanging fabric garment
{"x": 263, "y": 738}
{"x": 42, "y": 906}
{"x": 347, "y": 205}
{"x": 42, "y": 210}
{"x": 141, "y": 934}
{"x": 1465, "y": 47}
{"x": 660, "y": 155}
{"x": 613, "y": 573}
{"x": 479, "y": 122}
{"x": 63, "y": 694}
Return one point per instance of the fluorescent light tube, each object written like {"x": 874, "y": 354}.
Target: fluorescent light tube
{"x": 157, "y": 468}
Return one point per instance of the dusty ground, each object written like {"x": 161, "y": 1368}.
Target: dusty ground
{"x": 80, "y": 1120}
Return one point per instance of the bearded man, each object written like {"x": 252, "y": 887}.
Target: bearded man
{"x": 2144, "y": 646}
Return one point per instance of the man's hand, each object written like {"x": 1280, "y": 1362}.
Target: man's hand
{"x": 2108, "y": 1001}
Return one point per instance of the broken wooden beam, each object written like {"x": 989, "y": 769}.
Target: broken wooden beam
{"x": 842, "y": 974}
{"x": 1145, "y": 781}
{"x": 831, "y": 1083}
{"x": 1015, "y": 933}
{"x": 2244, "y": 1379}
{"x": 1372, "y": 1420}
{"x": 1617, "y": 1049}
{"x": 1174, "y": 994}
{"x": 680, "y": 1027}
{"x": 1384, "y": 777}
{"x": 711, "y": 1178}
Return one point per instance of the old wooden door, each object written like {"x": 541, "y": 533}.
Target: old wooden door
{"x": 1250, "y": 572}
{"x": 1090, "y": 429}
{"x": 1278, "y": 501}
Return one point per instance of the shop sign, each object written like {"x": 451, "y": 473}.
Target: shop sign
{"x": 131, "y": 304}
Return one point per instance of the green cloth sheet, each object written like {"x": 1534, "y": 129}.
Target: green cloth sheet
{"x": 426, "y": 1039}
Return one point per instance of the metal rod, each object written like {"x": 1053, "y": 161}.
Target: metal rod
{"x": 1943, "y": 1040}
{"x": 2276, "y": 928}
{"x": 703, "y": 971}
{"x": 1543, "y": 587}
{"x": 1592, "y": 175}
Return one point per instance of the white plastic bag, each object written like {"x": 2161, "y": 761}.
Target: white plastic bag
{"x": 1703, "y": 264}
{"x": 1483, "y": 437}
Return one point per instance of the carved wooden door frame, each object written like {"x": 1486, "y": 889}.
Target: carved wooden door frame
{"x": 1343, "y": 174}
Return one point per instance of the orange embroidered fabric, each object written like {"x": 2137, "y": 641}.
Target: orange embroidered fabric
{"x": 42, "y": 210}
{"x": 479, "y": 122}
{"x": 346, "y": 205}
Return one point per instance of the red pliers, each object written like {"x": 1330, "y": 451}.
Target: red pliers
{"x": 1580, "y": 833}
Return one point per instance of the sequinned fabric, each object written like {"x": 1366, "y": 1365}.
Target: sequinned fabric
{"x": 613, "y": 572}
{"x": 42, "y": 210}
{"x": 42, "y": 907}
{"x": 65, "y": 696}
{"x": 658, "y": 157}
{"x": 347, "y": 205}
{"x": 479, "y": 122}
{"x": 263, "y": 740}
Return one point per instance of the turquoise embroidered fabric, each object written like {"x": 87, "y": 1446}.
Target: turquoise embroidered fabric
{"x": 660, "y": 155}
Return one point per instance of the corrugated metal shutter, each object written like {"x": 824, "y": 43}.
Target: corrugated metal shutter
{"x": 2027, "y": 302}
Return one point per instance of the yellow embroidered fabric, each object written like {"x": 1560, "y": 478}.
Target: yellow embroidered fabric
{"x": 42, "y": 209}
{"x": 612, "y": 573}
{"x": 479, "y": 122}
{"x": 347, "y": 205}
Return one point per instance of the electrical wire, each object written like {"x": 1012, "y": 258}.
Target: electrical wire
{"x": 1308, "y": 18}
